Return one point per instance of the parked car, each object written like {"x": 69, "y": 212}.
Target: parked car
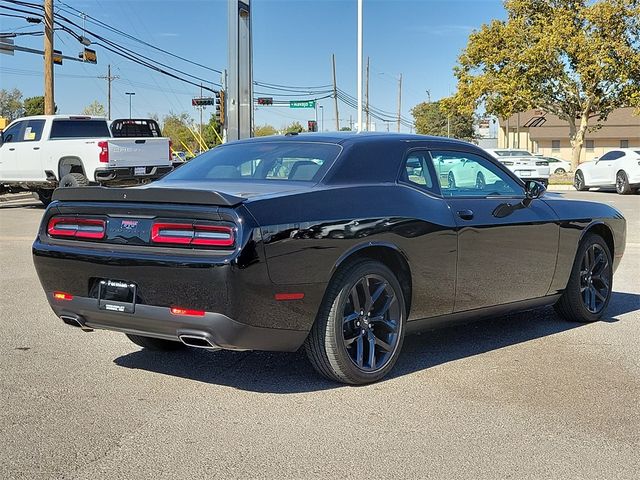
{"x": 344, "y": 255}
{"x": 523, "y": 164}
{"x": 43, "y": 152}
{"x": 619, "y": 169}
{"x": 556, "y": 165}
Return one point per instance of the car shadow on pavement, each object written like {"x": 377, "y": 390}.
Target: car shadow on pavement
{"x": 282, "y": 373}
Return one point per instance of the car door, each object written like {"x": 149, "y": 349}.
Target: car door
{"x": 602, "y": 172}
{"x": 28, "y": 158}
{"x": 8, "y": 155}
{"x": 506, "y": 252}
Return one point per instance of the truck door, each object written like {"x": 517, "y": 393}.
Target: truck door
{"x": 8, "y": 155}
{"x": 28, "y": 157}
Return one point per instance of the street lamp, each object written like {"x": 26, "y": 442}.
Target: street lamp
{"x": 321, "y": 118}
{"x": 130, "y": 95}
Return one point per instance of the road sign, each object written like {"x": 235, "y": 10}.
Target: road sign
{"x": 302, "y": 104}
{"x": 202, "y": 101}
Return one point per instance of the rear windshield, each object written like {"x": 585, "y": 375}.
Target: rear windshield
{"x": 79, "y": 129}
{"x": 295, "y": 161}
{"x": 135, "y": 128}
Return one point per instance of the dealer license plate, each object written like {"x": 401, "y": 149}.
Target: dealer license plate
{"x": 117, "y": 296}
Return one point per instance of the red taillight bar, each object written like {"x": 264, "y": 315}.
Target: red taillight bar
{"x": 62, "y": 296}
{"x": 186, "y": 311}
{"x": 93, "y": 228}
{"x": 190, "y": 234}
{"x": 104, "y": 152}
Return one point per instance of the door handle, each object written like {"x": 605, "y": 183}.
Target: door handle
{"x": 465, "y": 214}
{"x": 36, "y": 148}
{"x": 11, "y": 149}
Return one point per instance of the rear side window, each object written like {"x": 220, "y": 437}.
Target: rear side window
{"x": 79, "y": 129}
{"x": 33, "y": 131}
{"x": 288, "y": 161}
{"x": 417, "y": 172}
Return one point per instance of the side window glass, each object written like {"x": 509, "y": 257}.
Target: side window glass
{"x": 12, "y": 134}
{"x": 32, "y": 131}
{"x": 607, "y": 156}
{"x": 416, "y": 170}
{"x": 616, "y": 155}
{"x": 468, "y": 175}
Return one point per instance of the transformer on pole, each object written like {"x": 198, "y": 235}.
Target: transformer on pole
{"x": 239, "y": 82}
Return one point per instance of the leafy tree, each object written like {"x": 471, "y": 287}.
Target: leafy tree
{"x": 345, "y": 129}
{"x": 95, "y": 108}
{"x": 34, "y": 106}
{"x": 265, "y": 131}
{"x": 577, "y": 59}
{"x": 176, "y": 127}
{"x": 432, "y": 119}
{"x": 11, "y": 104}
{"x": 211, "y": 133}
{"x": 294, "y": 127}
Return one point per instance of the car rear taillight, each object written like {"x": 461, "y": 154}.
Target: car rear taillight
{"x": 192, "y": 234}
{"x": 62, "y": 296}
{"x": 542, "y": 163}
{"x": 104, "y": 152}
{"x": 187, "y": 311}
{"x": 170, "y": 150}
{"x": 75, "y": 227}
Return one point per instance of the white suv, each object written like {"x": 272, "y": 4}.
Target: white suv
{"x": 619, "y": 169}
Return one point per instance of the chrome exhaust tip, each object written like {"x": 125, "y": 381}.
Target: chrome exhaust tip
{"x": 198, "y": 341}
{"x": 75, "y": 321}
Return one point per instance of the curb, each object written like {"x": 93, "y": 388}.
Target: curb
{"x": 560, "y": 188}
{"x": 15, "y": 196}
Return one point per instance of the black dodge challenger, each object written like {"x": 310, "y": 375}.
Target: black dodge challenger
{"x": 341, "y": 243}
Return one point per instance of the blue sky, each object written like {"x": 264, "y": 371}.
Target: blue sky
{"x": 292, "y": 41}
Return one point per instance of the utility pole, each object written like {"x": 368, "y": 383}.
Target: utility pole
{"x": 399, "y": 101}
{"x": 359, "y": 65}
{"x": 131, "y": 94}
{"x": 109, "y": 79}
{"x": 335, "y": 91}
{"x": 366, "y": 94}
{"x": 49, "y": 102}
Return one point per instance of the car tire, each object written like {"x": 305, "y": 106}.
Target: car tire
{"x": 155, "y": 344}
{"x": 44, "y": 195}
{"x": 587, "y": 295}
{"x": 74, "y": 180}
{"x": 578, "y": 182}
{"x": 348, "y": 344}
{"x": 560, "y": 171}
{"x": 622, "y": 183}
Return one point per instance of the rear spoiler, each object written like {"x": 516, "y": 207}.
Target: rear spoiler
{"x": 147, "y": 195}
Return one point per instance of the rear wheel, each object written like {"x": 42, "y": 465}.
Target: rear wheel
{"x": 359, "y": 331}
{"x": 622, "y": 183}
{"x": 156, "y": 344}
{"x": 74, "y": 180}
{"x": 588, "y": 290}
{"x": 578, "y": 182}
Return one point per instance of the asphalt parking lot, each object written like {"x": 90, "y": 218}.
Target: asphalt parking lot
{"x": 523, "y": 396}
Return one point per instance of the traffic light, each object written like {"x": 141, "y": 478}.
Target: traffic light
{"x": 220, "y": 107}
{"x": 265, "y": 100}
{"x": 312, "y": 126}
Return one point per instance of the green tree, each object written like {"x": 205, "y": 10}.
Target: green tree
{"x": 211, "y": 133}
{"x": 577, "y": 59}
{"x": 95, "y": 108}
{"x": 11, "y": 104}
{"x": 265, "y": 131}
{"x": 345, "y": 129}
{"x": 176, "y": 127}
{"x": 294, "y": 127}
{"x": 432, "y": 119}
{"x": 34, "y": 106}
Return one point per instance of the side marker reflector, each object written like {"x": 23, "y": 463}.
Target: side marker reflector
{"x": 62, "y": 296}
{"x": 187, "y": 311}
{"x": 289, "y": 296}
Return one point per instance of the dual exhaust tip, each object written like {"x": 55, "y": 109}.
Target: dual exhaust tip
{"x": 191, "y": 339}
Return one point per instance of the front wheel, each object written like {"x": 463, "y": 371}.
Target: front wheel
{"x": 560, "y": 171}
{"x": 622, "y": 183}
{"x": 359, "y": 330}
{"x": 588, "y": 290}
{"x": 578, "y": 182}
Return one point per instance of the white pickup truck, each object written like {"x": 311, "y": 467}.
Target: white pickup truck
{"x": 43, "y": 152}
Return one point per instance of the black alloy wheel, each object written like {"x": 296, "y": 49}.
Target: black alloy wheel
{"x": 622, "y": 183}
{"x": 578, "y": 181}
{"x": 595, "y": 273}
{"x": 359, "y": 330}
{"x": 589, "y": 288}
{"x": 371, "y": 323}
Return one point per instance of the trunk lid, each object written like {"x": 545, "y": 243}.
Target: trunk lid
{"x": 138, "y": 152}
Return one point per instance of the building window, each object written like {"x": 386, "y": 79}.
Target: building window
{"x": 590, "y": 144}
{"x": 624, "y": 143}
{"x": 555, "y": 145}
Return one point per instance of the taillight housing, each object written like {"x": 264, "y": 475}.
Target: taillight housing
{"x": 104, "y": 152}
{"x": 192, "y": 234}
{"x": 170, "y": 150}
{"x": 77, "y": 227}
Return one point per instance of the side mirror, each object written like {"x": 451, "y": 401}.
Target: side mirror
{"x": 532, "y": 190}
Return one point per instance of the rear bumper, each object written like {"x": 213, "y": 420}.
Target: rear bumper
{"x": 159, "y": 322}
{"x": 127, "y": 176}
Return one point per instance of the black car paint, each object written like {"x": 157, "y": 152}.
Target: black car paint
{"x": 293, "y": 238}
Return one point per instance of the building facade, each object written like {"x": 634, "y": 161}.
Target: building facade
{"x": 545, "y": 134}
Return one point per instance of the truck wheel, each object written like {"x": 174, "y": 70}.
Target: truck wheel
{"x": 74, "y": 180}
{"x": 358, "y": 333}
{"x": 156, "y": 344}
{"x": 44, "y": 195}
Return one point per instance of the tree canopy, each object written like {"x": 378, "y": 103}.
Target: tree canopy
{"x": 577, "y": 59}
{"x": 432, "y": 119}
{"x": 94, "y": 108}
{"x": 11, "y": 104}
{"x": 294, "y": 127}
{"x": 34, "y": 106}
{"x": 265, "y": 131}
